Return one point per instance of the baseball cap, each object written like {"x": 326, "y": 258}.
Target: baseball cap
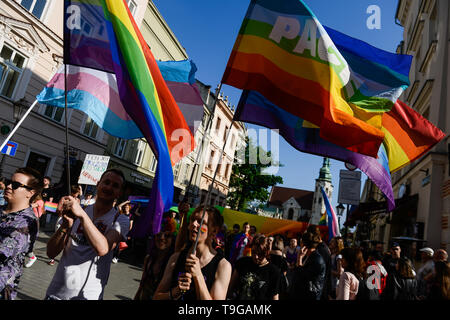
{"x": 427, "y": 250}
{"x": 395, "y": 244}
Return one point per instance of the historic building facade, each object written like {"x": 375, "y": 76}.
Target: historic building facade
{"x": 422, "y": 189}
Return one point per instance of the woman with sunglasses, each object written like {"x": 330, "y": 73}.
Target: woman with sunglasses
{"x": 18, "y": 225}
{"x": 154, "y": 264}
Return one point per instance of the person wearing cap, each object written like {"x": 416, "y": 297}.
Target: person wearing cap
{"x": 424, "y": 271}
{"x": 390, "y": 261}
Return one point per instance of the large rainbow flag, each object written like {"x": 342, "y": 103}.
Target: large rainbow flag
{"x": 407, "y": 134}
{"x": 102, "y": 35}
{"x": 283, "y": 52}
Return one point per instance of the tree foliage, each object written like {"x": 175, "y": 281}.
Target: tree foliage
{"x": 248, "y": 181}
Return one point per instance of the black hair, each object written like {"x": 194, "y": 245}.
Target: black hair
{"x": 35, "y": 180}
{"x": 116, "y": 171}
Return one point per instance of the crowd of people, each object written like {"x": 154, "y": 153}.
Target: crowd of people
{"x": 194, "y": 257}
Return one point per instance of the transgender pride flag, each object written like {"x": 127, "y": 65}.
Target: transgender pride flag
{"x": 95, "y": 93}
{"x": 333, "y": 227}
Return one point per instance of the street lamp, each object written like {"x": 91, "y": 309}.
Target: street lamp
{"x": 340, "y": 211}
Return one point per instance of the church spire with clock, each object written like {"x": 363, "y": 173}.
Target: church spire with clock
{"x": 324, "y": 180}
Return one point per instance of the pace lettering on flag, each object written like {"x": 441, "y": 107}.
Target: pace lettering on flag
{"x": 283, "y": 52}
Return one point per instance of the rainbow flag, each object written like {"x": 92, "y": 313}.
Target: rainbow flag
{"x": 50, "y": 206}
{"x": 408, "y": 135}
{"x": 323, "y": 220}
{"x": 283, "y": 52}
{"x": 102, "y": 35}
{"x": 333, "y": 226}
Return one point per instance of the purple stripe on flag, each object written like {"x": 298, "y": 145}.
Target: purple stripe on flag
{"x": 254, "y": 108}
{"x": 185, "y": 93}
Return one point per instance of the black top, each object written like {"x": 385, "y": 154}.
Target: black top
{"x": 309, "y": 279}
{"x": 324, "y": 251}
{"x": 47, "y": 193}
{"x": 279, "y": 261}
{"x": 256, "y": 282}
{"x": 208, "y": 271}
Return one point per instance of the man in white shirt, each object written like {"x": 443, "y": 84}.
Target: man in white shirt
{"x": 88, "y": 238}
{"x": 425, "y": 270}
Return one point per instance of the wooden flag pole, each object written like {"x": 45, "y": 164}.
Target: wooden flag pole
{"x": 211, "y": 187}
{"x": 199, "y": 154}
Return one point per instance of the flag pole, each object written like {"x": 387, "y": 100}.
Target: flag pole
{"x": 211, "y": 187}
{"x": 17, "y": 125}
{"x": 67, "y": 130}
{"x": 200, "y": 152}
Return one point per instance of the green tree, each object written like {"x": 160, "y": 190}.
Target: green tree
{"x": 248, "y": 181}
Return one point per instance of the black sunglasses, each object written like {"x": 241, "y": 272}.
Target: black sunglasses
{"x": 15, "y": 185}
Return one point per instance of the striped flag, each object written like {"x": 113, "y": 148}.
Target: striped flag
{"x": 283, "y": 52}
{"x": 102, "y": 35}
{"x": 333, "y": 226}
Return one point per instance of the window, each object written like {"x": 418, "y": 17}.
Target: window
{"x": 225, "y": 133}
{"x": 153, "y": 165}
{"x": 218, "y": 124}
{"x": 54, "y": 113}
{"x": 119, "y": 150}
{"x": 233, "y": 137}
{"x": 90, "y": 128}
{"x": 211, "y": 159}
{"x": 36, "y": 7}
{"x": 227, "y": 170}
{"x": 187, "y": 173}
{"x": 12, "y": 64}
{"x": 176, "y": 171}
{"x": 139, "y": 152}
{"x": 132, "y": 6}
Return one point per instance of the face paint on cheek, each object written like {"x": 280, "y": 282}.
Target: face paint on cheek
{"x": 203, "y": 229}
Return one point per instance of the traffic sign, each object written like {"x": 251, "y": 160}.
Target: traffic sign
{"x": 349, "y": 187}
{"x": 10, "y": 148}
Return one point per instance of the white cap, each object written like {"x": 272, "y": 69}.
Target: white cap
{"x": 427, "y": 250}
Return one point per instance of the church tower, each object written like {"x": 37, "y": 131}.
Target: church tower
{"x": 324, "y": 180}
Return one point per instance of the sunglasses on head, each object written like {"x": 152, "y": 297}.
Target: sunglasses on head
{"x": 15, "y": 185}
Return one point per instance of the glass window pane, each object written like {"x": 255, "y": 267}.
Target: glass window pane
{"x": 58, "y": 114}
{"x": 10, "y": 83}
{"x": 94, "y": 130}
{"x": 6, "y": 53}
{"x": 18, "y": 60}
{"x": 39, "y": 8}
{"x": 2, "y": 71}
{"x": 49, "y": 111}
{"x": 87, "y": 127}
{"x": 27, "y": 3}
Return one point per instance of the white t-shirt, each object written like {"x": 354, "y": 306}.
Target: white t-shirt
{"x": 81, "y": 273}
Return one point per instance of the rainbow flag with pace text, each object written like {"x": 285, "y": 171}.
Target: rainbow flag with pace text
{"x": 102, "y": 35}
{"x": 283, "y": 52}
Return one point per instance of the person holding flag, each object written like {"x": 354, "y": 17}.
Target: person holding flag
{"x": 204, "y": 275}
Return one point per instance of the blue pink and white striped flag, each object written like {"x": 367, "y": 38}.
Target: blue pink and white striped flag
{"x": 333, "y": 226}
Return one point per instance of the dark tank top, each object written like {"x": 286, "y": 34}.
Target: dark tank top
{"x": 208, "y": 271}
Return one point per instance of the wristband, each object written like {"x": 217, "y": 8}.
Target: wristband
{"x": 62, "y": 231}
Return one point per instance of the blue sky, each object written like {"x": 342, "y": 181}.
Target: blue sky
{"x": 207, "y": 29}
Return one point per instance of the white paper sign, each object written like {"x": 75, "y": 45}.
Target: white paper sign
{"x": 93, "y": 168}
